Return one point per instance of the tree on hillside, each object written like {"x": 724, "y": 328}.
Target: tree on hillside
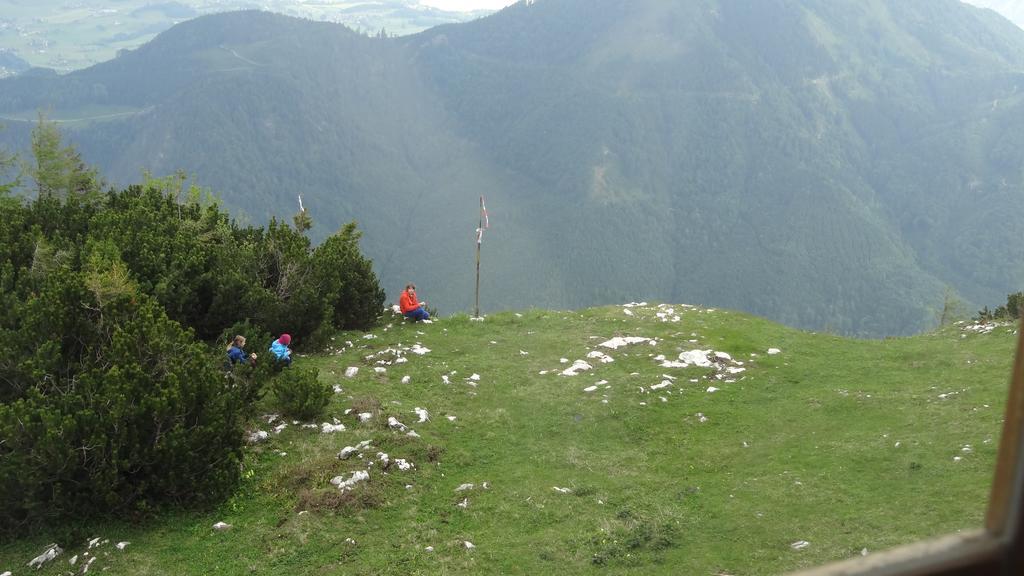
{"x": 8, "y": 165}
{"x": 58, "y": 170}
{"x": 353, "y": 292}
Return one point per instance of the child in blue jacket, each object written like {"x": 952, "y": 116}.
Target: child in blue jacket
{"x": 279, "y": 348}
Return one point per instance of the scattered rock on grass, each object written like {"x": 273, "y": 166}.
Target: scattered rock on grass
{"x": 620, "y": 341}
{"x": 51, "y": 552}
{"x": 357, "y": 477}
{"x": 327, "y": 428}
{"x": 221, "y": 526}
{"x": 577, "y": 367}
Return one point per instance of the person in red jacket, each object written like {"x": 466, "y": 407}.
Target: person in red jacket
{"x": 411, "y": 307}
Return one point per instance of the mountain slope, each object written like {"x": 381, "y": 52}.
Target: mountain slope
{"x": 832, "y": 165}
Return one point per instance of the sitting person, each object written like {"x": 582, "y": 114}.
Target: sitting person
{"x": 236, "y": 354}
{"x": 279, "y": 348}
{"x": 410, "y": 306}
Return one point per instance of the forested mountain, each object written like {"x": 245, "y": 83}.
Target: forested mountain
{"x": 831, "y": 164}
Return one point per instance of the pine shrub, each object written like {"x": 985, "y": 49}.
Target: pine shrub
{"x": 300, "y": 394}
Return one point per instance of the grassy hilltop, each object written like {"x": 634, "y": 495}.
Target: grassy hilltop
{"x": 630, "y": 466}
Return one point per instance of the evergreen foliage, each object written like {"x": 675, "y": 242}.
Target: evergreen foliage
{"x": 112, "y": 400}
{"x": 300, "y": 394}
{"x": 1012, "y": 310}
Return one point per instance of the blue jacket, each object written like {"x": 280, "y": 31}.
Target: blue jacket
{"x": 237, "y": 356}
{"x": 280, "y": 351}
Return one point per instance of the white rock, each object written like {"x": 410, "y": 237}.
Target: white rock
{"x": 620, "y": 341}
{"x": 563, "y": 360}
{"x": 384, "y": 458}
{"x": 94, "y": 543}
{"x": 696, "y": 357}
{"x": 799, "y": 544}
{"x": 712, "y": 389}
{"x": 701, "y": 417}
{"x": 450, "y": 418}
{"x": 72, "y": 562}
{"x": 444, "y": 378}
{"x": 327, "y": 428}
{"x": 663, "y": 384}
{"x": 524, "y": 353}
{"x": 474, "y": 377}
{"x": 394, "y": 424}
{"x": 469, "y": 545}
{"x": 338, "y": 389}
{"x": 412, "y": 434}
{"x": 404, "y": 464}
{"x": 577, "y": 367}
{"x": 364, "y": 416}
{"x": 561, "y": 490}
{"x": 257, "y": 436}
{"x": 422, "y": 413}
{"x": 601, "y": 356}
{"x": 467, "y": 486}
{"x": 346, "y": 452}
{"x": 464, "y": 503}
{"x": 419, "y": 350}
{"x": 221, "y": 526}
{"x": 774, "y": 351}
{"x": 723, "y": 356}
{"x": 122, "y": 545}
{"x": 406, "y": 379}
{"x": 51, "y": 552}
{"x": 357, "y": 477}
{"x": 429, "y": 548}
{"x": 590, "y": 388}
{"x": 380, "y": 370}
{"x": 351, "y": 371}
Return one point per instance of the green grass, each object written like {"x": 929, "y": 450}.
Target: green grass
{"x": 801, "y": 446}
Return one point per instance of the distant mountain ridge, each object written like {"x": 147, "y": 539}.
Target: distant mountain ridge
{"x": 828, "y": 164}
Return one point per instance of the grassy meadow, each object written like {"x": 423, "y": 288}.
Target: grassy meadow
{"x": 758, "y": 464}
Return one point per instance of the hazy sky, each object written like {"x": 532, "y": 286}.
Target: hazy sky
{"x": 1011, "y": 9}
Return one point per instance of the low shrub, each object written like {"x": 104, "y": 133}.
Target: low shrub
{"x": 300, "y": 394}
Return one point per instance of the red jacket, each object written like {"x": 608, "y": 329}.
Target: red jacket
{"x": 407, "y": 301}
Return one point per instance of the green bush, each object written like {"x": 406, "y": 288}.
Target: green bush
{"x": 135, "y": 416}
{"x": 112, "y": 401}
{"x": 1011, "y": 311}
{"x": 300, "y": 394}
{"x": 350, "y": 287}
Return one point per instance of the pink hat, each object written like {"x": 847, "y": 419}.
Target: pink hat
{"x": 285, "y": 339}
